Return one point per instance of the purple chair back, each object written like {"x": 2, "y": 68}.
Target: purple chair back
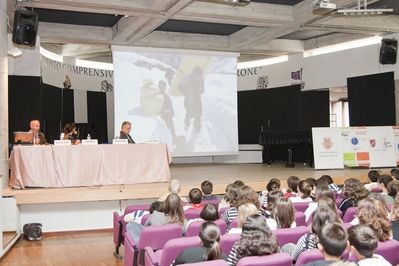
{"x": 278, "y": 259}
{"x": 192, "y": 213}
{"x": 156, "y": 236}
{"x": 193, "y": 228}
{"x": 212, "y": 201}
{"x": 227, "y": 242}
{"x": 234, "y": 223}
{"x": 222, "y": 225}
{"x": 129, "y": 251}
{"x": 346, "y": 225}
{"x": 309, "y": 256}
{"x": 222, "y": 210}
{"x": 208, "y": 263}
{"x": 290, "y": 235}
{"x": 349, "y": 215}
{"x": 389, "y": 250}
{"x": 300, "y": 206}
{"x": 300, "y": 218}
{"x": 173, "y": 248}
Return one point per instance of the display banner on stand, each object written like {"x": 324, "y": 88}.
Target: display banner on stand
{"x": 368, "y": 147}
{"x": 327, "y": 148}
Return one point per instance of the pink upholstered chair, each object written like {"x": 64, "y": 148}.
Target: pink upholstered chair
{"x": 154, "y": 237}
{"x": 349, "y": 215}
{"x": 300, "y": 206}
{"x": 299, "y": 218}
{"x": 234, "y": 223}
{"x": 172, "y": 248}
{"x": 227, "y": 242}
{"x": 278, "y": 259}
{"x": 290, "y": 235}
{"x": 119, "y": 225}
{"x": 194, "y": 227}
{"x": 192, "y": 213}
{"x": 309, "y": 256}
{"x": 208, "y": 263}
{"x": 222, "y": 210}
{"x": 389, "y": 250}
{"x": 213, "y": 201}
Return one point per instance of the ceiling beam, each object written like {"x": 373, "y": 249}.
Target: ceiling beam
{"x": 130, "y": 29}
{"x": 331, "y": 40}
{"x": 65, "y": 33}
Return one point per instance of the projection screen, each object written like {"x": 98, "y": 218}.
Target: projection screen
{"x": 186, "y": 99}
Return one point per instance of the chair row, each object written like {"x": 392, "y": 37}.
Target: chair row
{"x": 167, "y": 242}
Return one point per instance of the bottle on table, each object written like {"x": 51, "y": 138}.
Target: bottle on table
{"x": 88, "y": 136}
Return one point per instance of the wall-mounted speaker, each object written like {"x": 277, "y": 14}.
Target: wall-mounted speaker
{"x": 25, "y": 27}
{"x": 388, "y": 51}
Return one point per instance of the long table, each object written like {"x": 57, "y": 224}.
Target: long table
{"x": 88, "y": 165}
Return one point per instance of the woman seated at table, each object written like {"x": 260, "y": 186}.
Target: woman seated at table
{"x": 70, "y": 133}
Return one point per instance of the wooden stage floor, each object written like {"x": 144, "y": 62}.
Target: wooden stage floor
{"x": 190, "y": 175}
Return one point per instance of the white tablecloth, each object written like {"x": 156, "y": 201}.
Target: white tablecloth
{"x": 88, "y": 165}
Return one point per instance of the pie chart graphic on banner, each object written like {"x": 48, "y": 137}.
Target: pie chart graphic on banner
{"x": 354, "y": 141}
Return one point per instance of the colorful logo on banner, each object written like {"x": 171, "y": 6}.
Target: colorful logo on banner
{"x": 327, "y": 143}
{"x": 372, "y": 142}
{"x": 355, "y": 141}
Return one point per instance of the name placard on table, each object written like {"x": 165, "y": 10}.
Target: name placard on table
{"x": 63, "y": 142}
{"x": 120, "y": 141}
{"x": 89, "y": 142}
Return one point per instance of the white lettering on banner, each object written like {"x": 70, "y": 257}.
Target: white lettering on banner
{"x": 92, "y": 72}
{"x": 253, "y": 71}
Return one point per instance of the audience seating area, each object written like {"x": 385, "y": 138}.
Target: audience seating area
{"x": 160, "y": 245}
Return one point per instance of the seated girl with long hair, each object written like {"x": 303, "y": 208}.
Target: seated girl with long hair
{"x": 256, "y": 240}
{"x": 210, "y": 248}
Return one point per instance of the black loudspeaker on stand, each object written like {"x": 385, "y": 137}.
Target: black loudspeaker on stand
{"x": 388, "y": 51}
{"x": 25, "y": 27}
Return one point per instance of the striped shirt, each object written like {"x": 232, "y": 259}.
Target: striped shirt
{"x": 306, "y": 242}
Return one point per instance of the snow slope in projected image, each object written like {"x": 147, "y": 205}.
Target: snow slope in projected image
{"x": 188, "y": 101}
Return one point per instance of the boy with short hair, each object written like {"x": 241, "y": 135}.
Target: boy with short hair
{"x": 333, "y": 241}
{"x": 195, "y": 197}
{"x": 363, "y": 243}
{"x": 207, "y": 188}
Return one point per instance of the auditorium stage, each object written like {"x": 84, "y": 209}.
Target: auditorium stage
{"x": 190, "y": 175}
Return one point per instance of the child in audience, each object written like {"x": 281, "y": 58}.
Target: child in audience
{"x": 195, "y": 196}
{"x": 207, "y": 188}
{"x": 373, "y": 176}
{"x": 256, "y": 240}
{"x": 283, "y": 214}
{"x": 373, "y": 212}
{"x": 230, "y": 196}
{"x": 239, "y": 183}
{"x": 292, "y": 183}
{"x": 333, "y": 241}
{"x": 353, "y": 192}
{"x": 363, "y": 244}
{"x": 246, "y": 194}
{"x": 383, "y": 182}
{"x": 395, "y": 173}
{"x": 320, "y": 193}
{"x": 210, "y": 248}
{"x": 323, "y": 215}
{"x": 136, "y": 216}
{"x": 209, "y": 213}
{"x": 244, "y": 211}
{"x": 174, "y": 187}
{"x": 271, "y": 201}
{"x": 393, "y": 188}
{"x": 305, "y": 191}
{"x": 331, "y": 185}
{"x": 312, "y": 181}
{"x": 394, "y": 217}
{"x": 273, "y": 185}
{"x": 173, "y": 213}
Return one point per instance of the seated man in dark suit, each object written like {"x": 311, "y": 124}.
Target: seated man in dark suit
{"x": 38, "y": 137}
{"x": 125, "y": 130}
